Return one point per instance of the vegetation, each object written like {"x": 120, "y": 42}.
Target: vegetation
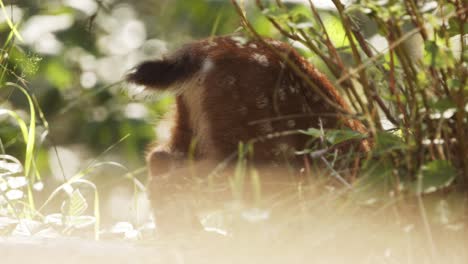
{"x": 67, "y": 128}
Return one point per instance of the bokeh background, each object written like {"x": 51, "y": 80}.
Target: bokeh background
{"x": 72, "y": 55}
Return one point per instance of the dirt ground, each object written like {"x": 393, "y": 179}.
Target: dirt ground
{"x": 326, "y": 241}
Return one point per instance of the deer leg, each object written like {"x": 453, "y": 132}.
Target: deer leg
{"x": 169, "y": 183}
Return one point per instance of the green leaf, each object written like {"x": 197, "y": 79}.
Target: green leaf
{"x": 334, "y": 26}
{"x": 58, "y": 75}
{"x": 455, "y": 84}
{"x": 443, "y": 104}
{"x": 386, "y": 141}
{"x": 76, "y": 205}
{"x": 438, "y": 56}
{"x": 435, "y": 175}
{"x": 313, "y": 132}
{"x": 342, "y": 135}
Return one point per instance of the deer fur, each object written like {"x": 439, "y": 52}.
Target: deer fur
{"x": 228, "y": 91}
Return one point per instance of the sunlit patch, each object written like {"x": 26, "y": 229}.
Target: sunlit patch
{"x": 126, "y": 229}
{"x": 426, "y": 141}
{"x": 3, "y": 186}
{"x": 39, "y": 32}
{"x": 216, "y": 230}
{"x": 9, "y": 163}
{"x": 136, "y": 111}
{"x": 14, "y": 13}
{"x": 88, "y": 7}
{"x": 64, "y": 162}
{"x": 386, "y": 124}
{"x": 38, "y": 186}
{"x": 255, "y": 215}
{"x": 17, "y": 182}
{"x": 14, "y": 194}
{"x": 88, "y": 79}
{"x": 48, "y": 44}
{"x": 447, "y": 114}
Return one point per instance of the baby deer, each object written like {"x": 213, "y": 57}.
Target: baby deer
{"x": 228, "y": 91}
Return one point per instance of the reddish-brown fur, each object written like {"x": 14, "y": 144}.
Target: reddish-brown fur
{"x": 230, "y": 91}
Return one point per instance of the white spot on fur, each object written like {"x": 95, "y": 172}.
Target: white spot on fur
{"x": 265, "y": 128}
{"x": 243, "y": 110}
{"x": 282, "y": 94}
{"x": 230, "y": 80}
{"x": 209, "y": 45}
{"x": 261, "y": 59}
{"x": 293, "y": 88}
{"x": 261, "y": 101}
{"x": 276, "y": 43}
{"x": 239, "y": 41}
{"x": 318, "y": 73}
{"x": 316, "y": 98}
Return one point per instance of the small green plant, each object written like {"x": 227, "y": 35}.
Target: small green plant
{"x": 20, "y": 178}
{"x": 411, "y": 92}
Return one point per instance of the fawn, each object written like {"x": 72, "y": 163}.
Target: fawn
{"x": 229, "y": 90}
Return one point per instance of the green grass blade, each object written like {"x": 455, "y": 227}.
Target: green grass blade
{"x": 9, "y": 22}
